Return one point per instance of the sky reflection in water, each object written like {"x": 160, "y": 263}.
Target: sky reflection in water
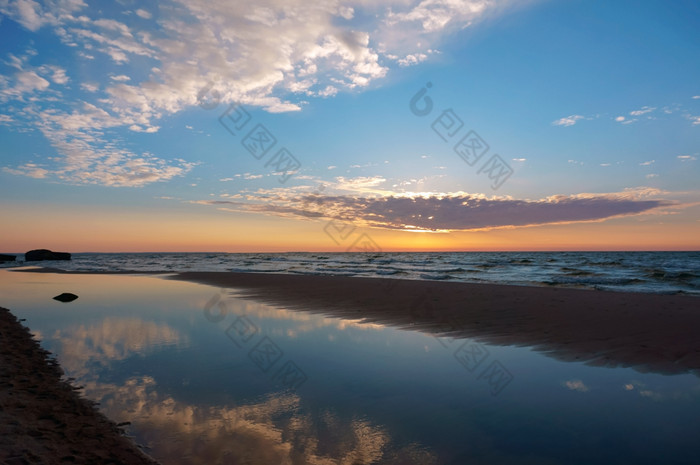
{"x": 199, "y": 391}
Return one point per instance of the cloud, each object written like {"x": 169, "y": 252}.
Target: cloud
{"x": 695, "y": 97}
{"x": 28, "y": 169}
{"x": 33, "y": 16}
{"x": 435, "y": 15}
{"x": 620, "y": 119}
{"x": 568, "y": 120}
{"x": 686, "y": 157}
{"x": 647, "y": 163}
{"x": 141, "y": 13}
{"x": 450, "y": 212}
{"x": 58, "y": 74}
{"x": 694, "y": 119}
{"x": 26, "y": 82}
{"x": 414, "y": 58}
{"x": 576, "y": 385}
{"x": 254, "y": 53}
{"x": 273, "y": 54}
{"x": 644, "y": 110}
{"x": 90, "y": 86}
{"x": 87, "y": 157}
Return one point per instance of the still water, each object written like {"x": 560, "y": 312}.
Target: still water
{"x": 205, "y": 377}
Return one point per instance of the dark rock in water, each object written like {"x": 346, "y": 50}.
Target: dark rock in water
{"x": 43, "y": 254}
{"x": 7, "y": 258}
{"x": 66, "y": 297}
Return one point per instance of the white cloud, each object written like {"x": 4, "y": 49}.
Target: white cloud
{"x": 29, "y": 81}
{"x": 644, "y": 110}
{"x": 620, "y": 119}
{"x": 647, "y": 163}
{"x": 264, "y": 54}
{"x": 413, "y": 59}
{"x": 58, "y": 74}
{"x": 33, "y": 16}
{"x": 686, "y": 157}
{"x": 141, "y": 13}
{"x": 6, "y": 118}
{"x": 568, "y": 120}
{"x": 361, "y": 184}
{"x": 652, "y": 175}
{"x": 435, "y": 15}
{"x": 90, "y": 86}
{"x": 86, "y": 157}
{"x": 695, "y": 97}
{"x": 28, "y": 169}
{"x": 329, "y": 91}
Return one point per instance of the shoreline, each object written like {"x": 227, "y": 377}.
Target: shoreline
{"x": 43, "y": 419}
{"x": 647, "y": 332}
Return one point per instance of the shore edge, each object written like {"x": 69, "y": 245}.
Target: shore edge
{"x": 43, "y": 419}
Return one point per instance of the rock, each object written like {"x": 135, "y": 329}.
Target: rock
{"x": 66, "y": 297}
{"x": 7, "y": 258}
{"x": 43, "y": 254}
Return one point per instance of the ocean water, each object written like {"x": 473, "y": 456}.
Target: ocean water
{"x": 656, "y": 272}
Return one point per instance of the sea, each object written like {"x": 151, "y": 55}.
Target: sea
{"x": 651, "y": 272}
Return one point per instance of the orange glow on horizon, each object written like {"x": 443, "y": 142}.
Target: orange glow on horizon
{"x": 209, "y": 230}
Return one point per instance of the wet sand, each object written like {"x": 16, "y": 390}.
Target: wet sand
{"x": 43, "y": 420}
{"x": 648, "y": 332}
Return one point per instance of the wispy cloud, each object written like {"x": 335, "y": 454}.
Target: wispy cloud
{"x": 143, "y": 14}
{"x": 643, "y": 111}
{"x": 694, "y": 119}
{"x": 568, "y": 120}
{"x": 87, "y": 157}
{"x": 28, "y": 169}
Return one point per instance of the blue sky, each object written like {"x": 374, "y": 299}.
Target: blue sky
{"x": 593, "y": 108}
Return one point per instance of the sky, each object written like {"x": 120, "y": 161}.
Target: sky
{"x": 399, "y": 125}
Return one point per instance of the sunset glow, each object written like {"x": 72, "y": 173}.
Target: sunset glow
{"x": 328, "y": 126}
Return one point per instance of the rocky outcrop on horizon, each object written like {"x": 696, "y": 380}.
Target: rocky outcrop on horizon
{"x": 45, "y": 254}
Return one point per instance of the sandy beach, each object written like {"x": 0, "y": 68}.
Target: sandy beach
{"x": 43, "y": 420}
{"x": 648, "y": 332}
